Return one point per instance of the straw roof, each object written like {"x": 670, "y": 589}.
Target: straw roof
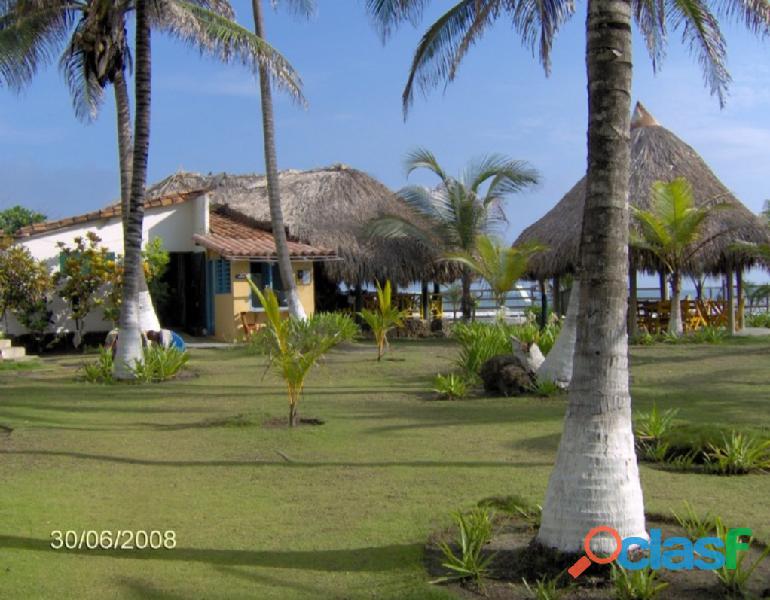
{"x": 656, "y": 155}
{"x": 325, "y": 207}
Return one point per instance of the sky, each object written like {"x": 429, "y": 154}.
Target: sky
{"x": 206, "y": 116}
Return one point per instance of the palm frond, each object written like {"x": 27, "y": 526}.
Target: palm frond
{"x": 85, "y": 90}
{"x": 538, "y": 22}
{"x": 422, "y": 158}
{"x": 300, "y": 8}
{"x": 392, "y": 226}
{"x": 650, "y": 16}
{"x": 226, "y": 40}
{"x": 387, "y": 14}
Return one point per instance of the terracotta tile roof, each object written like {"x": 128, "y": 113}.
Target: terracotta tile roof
{"x": 109, "y": 212}
{"x": 235, "y": 236}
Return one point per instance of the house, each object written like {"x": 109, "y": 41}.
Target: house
{"x": 212, "y": 248}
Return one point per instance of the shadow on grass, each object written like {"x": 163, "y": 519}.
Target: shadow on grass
{"x": 272, "y": 463}
{"x": 374, "y": 559}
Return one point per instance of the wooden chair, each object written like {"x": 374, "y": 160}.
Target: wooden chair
{"x": 250, "y": 324}
{"x": 692, "y": 319}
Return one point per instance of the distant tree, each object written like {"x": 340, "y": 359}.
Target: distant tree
{"x": 14, "y": 218}
{"x": 383, "y": 318}
{"x": 25, "y": 288}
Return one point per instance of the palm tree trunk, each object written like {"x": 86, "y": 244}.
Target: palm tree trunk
{"x": 466, "y": 304}
{"x": 557, "y": 366}
{"x": 675, "y": 322}
{"x": 596, "y": 478}
{"x": 730, "y": 303}
{"x": 273, "y": 189}
{"x": 148, "y": 318}
{"x": 129, "y": 348}
{"x": 633, "y": 300}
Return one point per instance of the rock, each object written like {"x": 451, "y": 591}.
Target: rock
{"x": 506, "y": 374}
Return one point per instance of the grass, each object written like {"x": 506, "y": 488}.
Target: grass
{"x": 338, "y": 510}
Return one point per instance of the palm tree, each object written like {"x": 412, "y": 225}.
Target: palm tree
{"x": 670, "y": 231}
{"x": 96, "y": 54}
{"x": 303, "y": 7}
{"x": 500, "y": 265}
{"x": 456, "y": 212}
{"x": 595, "y": 480}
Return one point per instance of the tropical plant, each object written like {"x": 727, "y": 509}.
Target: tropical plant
{"x": 304, "y": 8}
{"x": 295, "y": 345}
{"x": 738, "y": 454}
{"x": 100, "y": 370}
{"x": 96, "y": 54}
{"x": 501, "y": 266}
{"x": 672, "y": 230}
{"x": 457, "y": 211}
{"x": 734, "y": 580}
{"x": 14, "y": 218}
{"x": 546, "y": 389}
{"x": 475, "y": 529}
{"x": 759, "y": 320}
{"x": 25, "y": 288}
{"x": 546, "y": 588}
{"x": 383, "y": 318}
{"x": 478, "y": 343}
{"x": 83, "y": 271}
{"x": 450, "y": 387}
{"x": 160, "y": 364}
{"x": 654, "y": 424}
{"x": 610, "y": 493}
{"x": 641, "y": 584}
{"x": 453, "y": 294}
{"x": 695, "y": 526}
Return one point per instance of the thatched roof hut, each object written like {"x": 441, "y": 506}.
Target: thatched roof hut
{"x": 656, "y": 155}
{"x": 325, "y": 207}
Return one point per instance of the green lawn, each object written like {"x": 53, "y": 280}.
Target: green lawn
{"x": 333, "y": 511}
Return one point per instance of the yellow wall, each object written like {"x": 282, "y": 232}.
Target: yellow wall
{"x": 228, "y": 307}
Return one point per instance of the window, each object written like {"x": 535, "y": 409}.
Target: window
{"x": 267, "y": 275}
{"x": 222, "y": 283}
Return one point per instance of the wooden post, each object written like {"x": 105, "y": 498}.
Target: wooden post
{"x": 663, "y": 287}
{"x": 556, "y": 293}
{"x": 632, "y": 324}
{"x": 741, "y": 299}
{"x": 730, "y": 303}
{"x": 543, "y": 304}
{"x": 425, "y": 301}
{"x": 358, "y": 303}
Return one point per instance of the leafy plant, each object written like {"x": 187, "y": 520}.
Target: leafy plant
{"x": 759, "y": 320}
{"x": 547, "y": 389}
{"x": 682, "y": 462}
{"x": 636, "y": 585}
{"x": 644, "y": 338}
{"x": 450, "y": 387}
{"x": 709, "y": 335}
{"x": 384, "y": 318}
{"x": 694, "y": 525}
{"x": 160, "y": 364}
{"x": 654, "y": 424}
{"x": 99, "y": 371}
{"x": 25, "y": 287}
{"x": 735, "y": 580}
{"x": 738, "y": 454}
{"x": 475, "y": 529}
{"x": 294, "y": 345}
{"x": 546, "y": 588}
{"x": 653, "y": 450}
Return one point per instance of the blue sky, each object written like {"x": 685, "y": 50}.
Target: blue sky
{"x": 205, "y": 116}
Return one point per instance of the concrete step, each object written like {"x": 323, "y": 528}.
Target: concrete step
{"x": 5, "y": 344}
{"x": 10, "y": 353}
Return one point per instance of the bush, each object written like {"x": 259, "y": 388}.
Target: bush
{"x": 738, "y": 454}
{"x": 450, "y": 387}
{"x": 160, "y": 364}
{"x": 760, "y": 320}
{"x": 547, "y": 389}
{"x": 546, "y": 588}
{"x": 654, "y": 424}
{"x": 475, "y": 530}
{"x": 99, "y": 371}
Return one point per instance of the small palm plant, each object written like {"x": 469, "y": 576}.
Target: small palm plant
{"x": 384, "y": 318}
{"x": 500, "y": 265}
{"x": 672, "y": 231}
{"x": 295, "y": 345}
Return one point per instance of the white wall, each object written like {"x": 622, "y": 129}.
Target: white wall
{"x": 175, "y": 225}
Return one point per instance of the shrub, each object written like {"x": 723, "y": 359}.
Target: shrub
{"x": 735, "y": 580}
{"x": 709, "y": 335}
{"x": 450, "y": 387}
{"x": 636, "y": 585}
{"x": 696, "y": 526}
{"x": 547, "y": 389}
{"x": 384, "y": 318}
{"x": 738, "y": 454}
{"x": 654, "y": 424}
{"x": 99, "y": 371}
{"x": 160, "y": 364}
{"x": 644, "y": 338}
{"x": 760, "y": 320}
{"x": 475, "y": 529}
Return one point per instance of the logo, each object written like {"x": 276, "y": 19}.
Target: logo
{"x": 674, "y": 553}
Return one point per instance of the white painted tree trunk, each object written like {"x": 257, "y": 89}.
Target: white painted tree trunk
{"x": 295, "y": 306}
{"x": 675, "y": 321}
{"x": 148, "y": 319}
{"x": 557, "y": 366}
{"x": 129, "y": 348}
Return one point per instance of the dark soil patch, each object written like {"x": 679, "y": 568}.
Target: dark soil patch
{"x": 519, "y": 557}
{"x": 283, "y": 422}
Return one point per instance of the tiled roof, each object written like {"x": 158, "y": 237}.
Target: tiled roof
{"x": 235, "y": 236}
{"x": 109, "y": 212}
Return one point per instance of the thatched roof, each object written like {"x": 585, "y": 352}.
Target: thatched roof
{"x": 656, "y": 155}
{"x": 325, "y": 207}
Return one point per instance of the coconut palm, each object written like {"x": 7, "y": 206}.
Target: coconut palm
{"x": 595, "y": 480}
{"x": 458, "y": 210}
{"x": 305, "y": 8}
{"x": 383, "y": 318}
{"x": 500, "y": 265}
{"x": 96, "y": 54}
{"x": 670, "y": 231}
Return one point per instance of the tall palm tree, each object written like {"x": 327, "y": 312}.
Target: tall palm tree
{"x": 500, "y": 265}
{"x": 595, "y": 480}
{"x": 458, "y": 210}
{"x": 670, "y": 231}
{"x": 96, "y": 54}
{"x": 288, "y": 283}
